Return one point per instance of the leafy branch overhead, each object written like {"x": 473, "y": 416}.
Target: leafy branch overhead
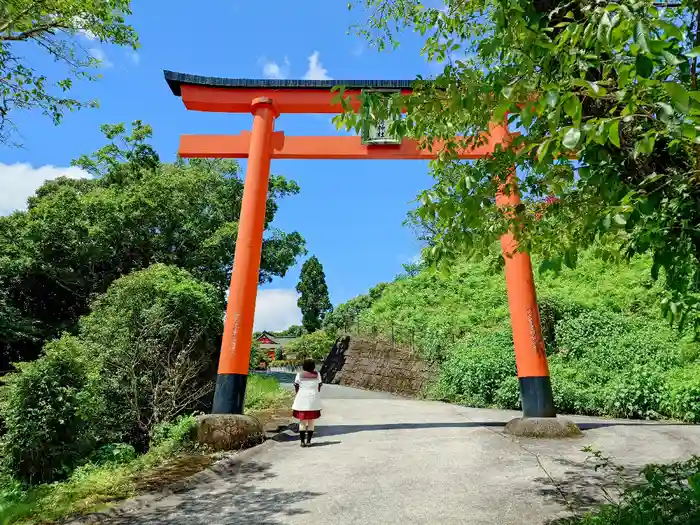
{"x": 613, "y": 85}
{"x": 59, "y": 30}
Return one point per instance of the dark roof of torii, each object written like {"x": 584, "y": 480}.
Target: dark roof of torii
{"x": 175, "y": 80}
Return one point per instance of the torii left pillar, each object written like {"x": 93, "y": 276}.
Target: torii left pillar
{"x": 229, "y": 396}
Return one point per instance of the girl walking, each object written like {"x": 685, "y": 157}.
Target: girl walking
{"x": 307, "y": 403}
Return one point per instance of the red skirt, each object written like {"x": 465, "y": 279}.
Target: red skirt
{"x": 306, "y": 415}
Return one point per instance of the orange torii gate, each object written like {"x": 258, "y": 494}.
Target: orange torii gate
{"x": 267, "y": 100}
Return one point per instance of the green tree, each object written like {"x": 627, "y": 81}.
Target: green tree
{"x": 313, "y": 299}
{"x": 78, "y": 236}
{"x": 315, "y": 345}
{"x": 256, "y": 354}
{"x": 614, "y": 84}
{"x": 54, "y": 28}
{"x": 292, "y": 331}
{"x": 156, "y": 335}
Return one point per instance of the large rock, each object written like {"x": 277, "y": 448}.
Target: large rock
{"x": 229, "y": 431}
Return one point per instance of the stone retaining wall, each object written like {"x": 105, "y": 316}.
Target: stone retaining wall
{"x": 375, "y": 365}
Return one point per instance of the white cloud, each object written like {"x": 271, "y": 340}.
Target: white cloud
{"x": 100, "y": 55}
{"x": 272, "y": 69}
{"x": 19, "y": 181}
{"x": 316, "y": 70}
{"x": 276, "y": 309}
{"x": 135, "y": 58}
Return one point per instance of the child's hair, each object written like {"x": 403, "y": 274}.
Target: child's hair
{"x": 309, "y": 365}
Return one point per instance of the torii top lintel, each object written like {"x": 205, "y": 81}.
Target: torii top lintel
{"x": 234, "y": 95}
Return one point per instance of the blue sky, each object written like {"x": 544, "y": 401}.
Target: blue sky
{"x": 350, "y": 212}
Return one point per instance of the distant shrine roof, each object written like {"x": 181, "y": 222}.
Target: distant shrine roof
{"x": 175, "y": 80}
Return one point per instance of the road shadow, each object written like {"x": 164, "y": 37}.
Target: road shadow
{"x": 323, "y": 431}
{"x": 315, "y": 444}
{"x": 232, "y": 495}
{"x": 581, "y": 488}
{"x": 339, "y": 430}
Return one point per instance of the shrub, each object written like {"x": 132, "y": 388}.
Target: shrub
{"x": 113, "y": 453}
{"x": 315, "y": 345}
{"x": 256, "y": 355}
{"x": 52, "y": 409}
{"x": 681, "y": 398}
{"x": 636, "y": 393}
{"x": 264, "y": 392}
{"x": 285, "y": 362}
{"x": 508, "y": 394}
{"x": 576, "y": 389}
{"x": 616, "y": 341}
{"x": 156, "y": 334}
{"x": 667, "y": 494}
{"x": 476, "y": 368}
{"x": 176, "y": 435}
{"x": 591, "y": 332}
{"x": 553, "y": 310}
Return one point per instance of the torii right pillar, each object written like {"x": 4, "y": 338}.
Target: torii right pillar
{"x": 530, "y": 356}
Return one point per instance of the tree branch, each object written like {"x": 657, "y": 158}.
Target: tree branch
{"x": 31, "y": 33}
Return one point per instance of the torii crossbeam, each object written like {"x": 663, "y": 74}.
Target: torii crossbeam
{"x": 267, "y": 100}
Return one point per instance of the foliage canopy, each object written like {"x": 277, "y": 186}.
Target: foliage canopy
{"x": 78, "y": 236}
{"x": 54, "y": 28}
{"x": 614, "y": 84}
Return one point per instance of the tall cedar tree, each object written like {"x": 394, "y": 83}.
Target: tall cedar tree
{"x": 313, "y": 302}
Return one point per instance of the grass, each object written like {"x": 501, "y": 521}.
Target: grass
{"x": 94, "y": 487}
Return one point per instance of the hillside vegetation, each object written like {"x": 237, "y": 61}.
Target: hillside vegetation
{"x": 610, "y": 351}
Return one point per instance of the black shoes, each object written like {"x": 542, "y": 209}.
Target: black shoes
{"x": 305, "y": 437}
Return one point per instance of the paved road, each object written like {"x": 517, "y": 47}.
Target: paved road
{"x": 381, "y": 460}
{"x": 286, "y": 379}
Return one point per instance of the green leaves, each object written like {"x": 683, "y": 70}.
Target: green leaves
{"x": 572, "y": 106}
{"x": 60, "y": 26}
{"x": 640, "y": 35}
{"x": 644, "y": 65}
{"x": 571, "y": 138}
{"x": 611, "y": 83}
{"x": 78, "y": 236}
{"x": 614, "y": 132}
{"x": 678, "y": 94}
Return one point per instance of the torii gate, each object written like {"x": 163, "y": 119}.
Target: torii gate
{"x": 267, "y": 100}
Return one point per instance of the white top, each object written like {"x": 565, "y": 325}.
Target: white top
{"x": 309, "y": 396}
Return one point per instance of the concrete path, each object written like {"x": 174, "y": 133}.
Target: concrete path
{"x": 380, "y": 459}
